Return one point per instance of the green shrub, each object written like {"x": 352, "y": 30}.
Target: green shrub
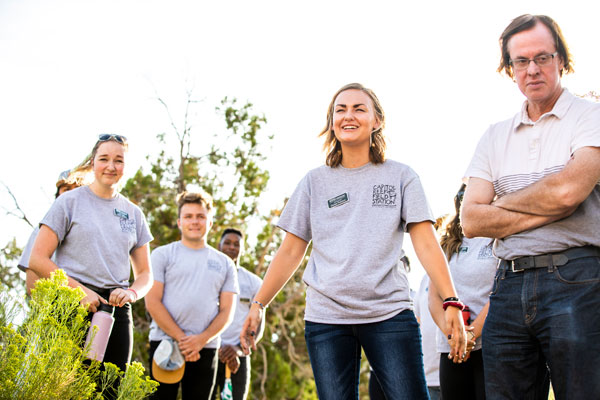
{"x": 43, "y": 358}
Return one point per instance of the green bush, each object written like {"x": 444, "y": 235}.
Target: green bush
{"x": 44, "y": 358}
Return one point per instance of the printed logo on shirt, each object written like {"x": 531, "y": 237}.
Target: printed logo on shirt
{"x": 244, "y": 300}
{"x": 338, "y": 200}
{"x": 486, "y": 251}
{"x": 127, "y": 225}
{"x": 384, "y": 196}
{"x": 463, "y": 249}
{"x": 213, "y": 265}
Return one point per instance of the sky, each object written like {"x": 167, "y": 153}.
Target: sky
{"x": 70, "y": 70}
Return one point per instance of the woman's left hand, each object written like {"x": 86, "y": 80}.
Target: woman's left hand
{"x": 119, "y": 297}
{"x": 455, "y": 329}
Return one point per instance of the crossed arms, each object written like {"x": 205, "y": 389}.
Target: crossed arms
{"x": 550, "y": 199}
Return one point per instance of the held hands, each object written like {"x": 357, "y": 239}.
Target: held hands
{"x": 455, "y": 331}
{"x": 250, "y": 329}
{"x": 471, "y": 341}
{"x": 190, "y": 346}
{"x": 230, "y": 355}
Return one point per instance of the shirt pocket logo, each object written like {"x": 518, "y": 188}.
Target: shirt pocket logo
{"x": 127, "y": 225}
{"x": 213, "y": 265}
{"x": 384, "y": 196}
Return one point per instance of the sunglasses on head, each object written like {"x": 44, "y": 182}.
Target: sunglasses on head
{"x": 106, "y": 137}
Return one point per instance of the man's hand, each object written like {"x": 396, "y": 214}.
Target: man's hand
{"x": 190, "y": 346}
{"x": 230, "y": 355}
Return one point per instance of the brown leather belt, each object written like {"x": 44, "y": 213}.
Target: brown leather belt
{"x": 550, "y": 260}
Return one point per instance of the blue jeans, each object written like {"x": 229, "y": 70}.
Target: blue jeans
{"x": 544, "y": 316}
{"x": 393, "y": 348}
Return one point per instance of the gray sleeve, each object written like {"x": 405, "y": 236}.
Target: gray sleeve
{"x": 159, "y": 262}
{"x": 414, "y": 203}
{"x": 295, "y": 217}
{"x": 143, "y": 231}
{"x": 24, "y": 260}
{"x": 58, "y": 218}
{"x": 231, "y": 281}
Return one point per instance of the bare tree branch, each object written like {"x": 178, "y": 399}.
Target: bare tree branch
{"x": 21, "y": 214}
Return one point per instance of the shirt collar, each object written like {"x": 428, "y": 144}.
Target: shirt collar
{"x": 559, "y": 110}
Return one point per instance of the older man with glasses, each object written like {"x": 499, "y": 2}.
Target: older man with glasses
{"x": 533, "y": 185}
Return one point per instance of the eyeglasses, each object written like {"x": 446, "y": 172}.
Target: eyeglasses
{"x": 542, "y": 60}
{"x": 104, "y": 137}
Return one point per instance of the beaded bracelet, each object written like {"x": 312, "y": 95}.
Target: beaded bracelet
{"x": 261, "y": 305}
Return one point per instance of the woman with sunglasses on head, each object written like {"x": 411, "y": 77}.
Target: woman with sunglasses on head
{"x": 96, "y": 232}
{"x": 355, "y": 210}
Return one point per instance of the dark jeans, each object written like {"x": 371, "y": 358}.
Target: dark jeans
{"x": 463, "y": 381}
{"x": 393, "y": 348}
{"x": 544, "y": 316}
{"x": 240, "y": 381}
{"x": 198, "y": 379}
{"x": 376, "y": 393}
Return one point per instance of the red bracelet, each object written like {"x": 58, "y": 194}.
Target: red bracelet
{"x": 457, "y": 304}
{"x": 134, "y": 292}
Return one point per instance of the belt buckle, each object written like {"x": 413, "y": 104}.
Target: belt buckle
{"x": 512, "y": 267}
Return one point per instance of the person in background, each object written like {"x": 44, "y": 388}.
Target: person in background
{"x": 355, "y": 210}
{"x": 230, "y": 352}
{"x": 472, "y": 266}
{"x": 66, "y": 181}
{"x": 192, "y": 300}
{"x": 533, "y": 187}
{"x": 96, "y": 233}
{"x": 431, "y": 359}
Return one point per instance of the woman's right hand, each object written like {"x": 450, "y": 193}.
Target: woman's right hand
{"x": 250, "y": 328}
{"x": 92, "y": 299}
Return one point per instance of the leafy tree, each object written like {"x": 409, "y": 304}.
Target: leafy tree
{"x": 9, "y": 274}
{"x": 233, "y": 174}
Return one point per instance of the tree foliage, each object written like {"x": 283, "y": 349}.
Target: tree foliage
{"x": 9, "y": 274}
{"x": 231, "y": 170}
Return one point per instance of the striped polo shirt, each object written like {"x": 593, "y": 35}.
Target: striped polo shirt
{"x": 515, "y": 153}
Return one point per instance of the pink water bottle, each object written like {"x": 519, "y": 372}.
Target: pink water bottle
{"x": 103, "y": 319}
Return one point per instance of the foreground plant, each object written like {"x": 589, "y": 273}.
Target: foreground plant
{"x": 44, "y": 357}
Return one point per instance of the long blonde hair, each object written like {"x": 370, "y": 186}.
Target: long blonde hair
{"x": 333, "y": 147}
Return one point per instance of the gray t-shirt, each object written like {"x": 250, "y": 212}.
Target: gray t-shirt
{"x": 96, "y": 236}
{"x": 356, "y": 219}
{"x": 26, "y": 254}
{"x": 431, "y": 358}
{"x": 193, "y": 280}
{"x": 472, "y": 269}
{"x": 249, "y": 285}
